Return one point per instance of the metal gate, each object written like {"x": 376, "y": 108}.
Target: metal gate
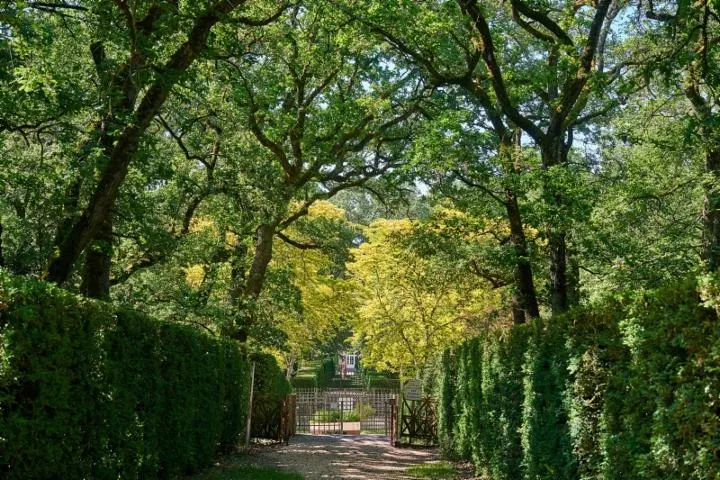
{"x": 344, "y": 411}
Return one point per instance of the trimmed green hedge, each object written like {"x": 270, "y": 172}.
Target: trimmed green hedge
{"x": 315, "y": 374}
{"x": 270, "y": 381}
{"x": 325, "y": 372}
{"x": 381, "y": 381}
{"x": 304, "y": 381}
{"x": 630, "y": 390}
{"x": 90, "y": 391}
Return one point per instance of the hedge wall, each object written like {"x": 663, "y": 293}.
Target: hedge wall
{"x": 315, "y": 374}
{"x": 630, "y": 390}
{"x": 325, "y": 372}
{"x": 89, "y": 391}
{"x": 271, "y": 383}
{"x": 304, "y": 381}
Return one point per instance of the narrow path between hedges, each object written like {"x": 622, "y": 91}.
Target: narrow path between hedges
{"x": 363, "y": 457}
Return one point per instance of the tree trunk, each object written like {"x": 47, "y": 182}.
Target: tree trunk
{"x": 573, "y": 278}
{"x": 518, "y": 313}
{"x": 711, "y": 212}
{"x": 525, "y": 304}
{"x": 522, "y": 271}
{"x": 263, "y": 254}
{"x": 249, "y": 287}
{"x": 2, "y": 257}
{"x": 238, "y": 329}
{"x": 87, "y": 225}
{"x": 555, "y": 153}
{"x": 98, "y": 210}
{"x": 96, "y": 272}
{"x": 558, "y": 272}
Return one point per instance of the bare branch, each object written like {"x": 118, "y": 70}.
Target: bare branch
{"x": 574, "y": 85}
{"x": 495, "y": 196}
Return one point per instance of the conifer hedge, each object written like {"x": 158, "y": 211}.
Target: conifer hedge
{"x": 90, "y": 391}
{"x": 630, "y": 390}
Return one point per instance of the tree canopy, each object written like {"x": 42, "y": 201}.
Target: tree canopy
{"x": 397, "y": 175}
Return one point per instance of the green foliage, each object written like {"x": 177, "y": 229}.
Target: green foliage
{"x": 663, "y": 410}
{"x": 460, "y": 402}
{"x": 88, "y": 391}
{"x": 446, "y": 391}
{"x": 304, "y": 381}
{"x": 325, "y": 372}
{"x": 360, "y": 412}
{"x": 315, "y": 374}
{"x": 326, "y": 416}
{"x": 500, "y": 400}
{"x": 271, "y": 385}
{"x": 545, "y": 438}
{"x": 363, "y": 411}
{"x": 434, "y": 470}
{"x": 626, "y": 389}
{"x": 381, "y": 381}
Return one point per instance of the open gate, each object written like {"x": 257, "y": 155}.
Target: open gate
{"x": 344, "y": 411}
{"x": 417, "y": 422}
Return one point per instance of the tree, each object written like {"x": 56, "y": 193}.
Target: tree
{"x": 411, "y": 307}
{"x": 688, "y": 41}
{"x": 132, "y": 99}
{"x": 328, "y": 115}
{"x": 570, "y": 64}
{"x": 644, "y": 229}
{"x": 327, "y": 298}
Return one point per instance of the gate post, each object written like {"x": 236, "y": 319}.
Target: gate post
{"x": 393, "y": 417}
{"x": 248, "y": 425}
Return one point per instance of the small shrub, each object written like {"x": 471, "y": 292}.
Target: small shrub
{"x": 357, "y": 414}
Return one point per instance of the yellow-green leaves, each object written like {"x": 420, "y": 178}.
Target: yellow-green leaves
{"x": 411, "y": 307}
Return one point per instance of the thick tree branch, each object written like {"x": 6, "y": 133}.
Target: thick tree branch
{"x": 483, "y": 188}
{"x": 471, "y": 9}
{"x": 57, "y": 6}
{"x": 295, "y": 243}
{"x": 543, "y": 20}
{"x": 261, "y": 22}
{"x": 574, "y": 85}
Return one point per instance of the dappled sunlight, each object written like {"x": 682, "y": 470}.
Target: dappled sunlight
{"x": 352, "y": 457}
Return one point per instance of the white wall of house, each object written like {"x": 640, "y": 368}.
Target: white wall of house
{"x": 351, "y": 363}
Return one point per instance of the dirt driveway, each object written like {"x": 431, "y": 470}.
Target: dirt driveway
{"x": 364, "y": 457}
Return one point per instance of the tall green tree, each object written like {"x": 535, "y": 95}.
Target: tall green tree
{"x": 131, "y": 96}
{"x": 564, "y": 45}
{"x": 327, "y": 111}
{"x": 688, "y": 33}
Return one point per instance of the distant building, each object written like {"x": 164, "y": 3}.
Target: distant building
{"x": 347, "y": 364}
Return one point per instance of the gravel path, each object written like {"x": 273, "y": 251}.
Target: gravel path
{"x": 364, "y": 457}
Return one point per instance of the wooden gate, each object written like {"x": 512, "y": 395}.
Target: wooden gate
{"x": 274, "y": 420}
{"x": 344, "y": 411}
{"x": 417, "y": 422}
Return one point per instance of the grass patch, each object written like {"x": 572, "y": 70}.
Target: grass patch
{"x": 434, "y": 470}
{"x": 249, "y": 473}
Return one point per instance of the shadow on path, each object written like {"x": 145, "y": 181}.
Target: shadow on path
{"x": 364, "y": 457}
